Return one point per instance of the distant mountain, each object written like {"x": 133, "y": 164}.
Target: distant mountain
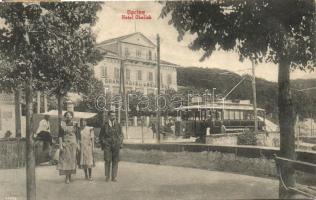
{"x": 200, "y": 79}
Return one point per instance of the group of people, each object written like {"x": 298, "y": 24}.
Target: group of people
{"x": 76, "y": 145}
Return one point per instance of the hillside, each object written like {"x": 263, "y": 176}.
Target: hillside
{"x": 200, "y": 79}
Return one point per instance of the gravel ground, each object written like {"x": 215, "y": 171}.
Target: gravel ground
{"x": 139, "y": 182}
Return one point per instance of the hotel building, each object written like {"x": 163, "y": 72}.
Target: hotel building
{"x": 138, "y": 56}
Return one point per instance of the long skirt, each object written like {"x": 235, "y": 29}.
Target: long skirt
{"x": 86, "y": 156}
{"x": 67, "y": 159}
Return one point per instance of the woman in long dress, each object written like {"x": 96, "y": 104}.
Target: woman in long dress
{"x": 86, "y": 149}
{"x": 68, "y": 145}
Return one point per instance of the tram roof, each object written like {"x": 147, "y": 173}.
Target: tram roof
{"x": 217, "y": 107}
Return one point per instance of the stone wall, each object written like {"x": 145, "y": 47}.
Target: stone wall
{"x": 222, "y": 139}
{"x": 263, "y": 139}
{"x": 204, "y": 160}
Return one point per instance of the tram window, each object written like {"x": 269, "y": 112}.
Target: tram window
{"x": 237, "y": 115}
{"x": 219, "y": 115}
{"x": 226, "y": 114}
{"x": 231, "y": 114}
{"x": 249, "y": 116}
{"x": 241, "y": 115}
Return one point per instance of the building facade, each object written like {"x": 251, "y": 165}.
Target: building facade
{"x": 137, "y": 56}
{"x": 7, "y": 114}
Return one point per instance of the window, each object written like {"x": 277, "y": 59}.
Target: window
{"x": 237, "y": 115}
{"x": 241, "y": 115}
{"x": 128, "y": 74}
{"x": 169, "y": 79}
{"x": 104, "y": 72}
{"x": 150, "y": 76}
{"x": 126, "y": 51}
{"x": 138, "y": 53}
{"x": 161, "y": 79}
{"x": 139, "y": 75}
{"x": 116, "y": 73}
{"x": 149, "y": 55}
{"x": 226, "y": 114}
{"x": 231, "y": 115}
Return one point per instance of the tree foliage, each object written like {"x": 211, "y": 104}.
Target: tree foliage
{"x": 55, "y": 38}
{"x": 264, "y": 30}
{"x": 281, "y": 31}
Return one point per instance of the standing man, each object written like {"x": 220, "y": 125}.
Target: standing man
{"x": 111, "y": 139}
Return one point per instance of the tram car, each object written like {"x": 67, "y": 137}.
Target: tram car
{"x": 219, "y": 117}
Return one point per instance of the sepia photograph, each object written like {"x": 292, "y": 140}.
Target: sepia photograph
{"x": 157, "y": 100}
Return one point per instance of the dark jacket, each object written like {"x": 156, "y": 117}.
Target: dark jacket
{"x": 111, "y": 135}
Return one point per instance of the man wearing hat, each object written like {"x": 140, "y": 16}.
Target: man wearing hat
{"x": 111, "y": 139}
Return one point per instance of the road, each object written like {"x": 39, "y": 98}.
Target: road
{"x": 139, "y": 182}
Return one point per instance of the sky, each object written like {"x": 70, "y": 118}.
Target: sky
{"x": 111, "y": 24}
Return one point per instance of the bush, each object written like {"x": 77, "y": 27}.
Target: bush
{"x": 247, "y": 138}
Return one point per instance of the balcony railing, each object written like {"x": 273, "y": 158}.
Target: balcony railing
{"x": 136, "y": 83}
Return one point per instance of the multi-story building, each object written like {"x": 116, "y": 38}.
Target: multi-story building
{"x": 7, "y": 114}
{"x": 137, "y": 55}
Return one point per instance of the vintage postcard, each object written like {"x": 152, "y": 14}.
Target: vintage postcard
{"x": 148, "y": 100}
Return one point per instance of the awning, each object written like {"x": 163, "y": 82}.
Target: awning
{"x": 81, "y": 115}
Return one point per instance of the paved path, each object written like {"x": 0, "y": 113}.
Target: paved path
{"x": 139, "y": 182}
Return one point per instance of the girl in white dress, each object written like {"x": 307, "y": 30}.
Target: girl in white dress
{"x": 86, "y": 148}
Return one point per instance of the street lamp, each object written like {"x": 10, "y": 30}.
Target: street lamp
{"x": 141, "y": 118}
{"x": 206, "y": 94}
{"x": 158, "y": 114}
{"x": 189, "y": 95}
{"x": 127, "y": 109}
{"x": 213, "y": 95}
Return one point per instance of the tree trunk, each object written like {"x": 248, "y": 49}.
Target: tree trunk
{"x": 60, "y": 111}
{"x": 30, "y": 157}
{"x": 45, "y": 103}
{"x": 286, "y": 121}
{"x": 38, "y": 101}
{"x": 17, "y": 94}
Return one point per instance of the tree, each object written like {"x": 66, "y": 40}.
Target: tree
{"x": 48, "y": 46}
{"x": 17, "y": 50}
{"x": 68, "y": 47}
{"x": 93, "y": 100}
{"x": 280, "y": 31}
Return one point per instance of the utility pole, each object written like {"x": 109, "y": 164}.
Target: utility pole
{"x": 124, "y": 91}
{"x": 213, "y": 95}
{"x": 121, "y": 82}
{"x": 45, "y": 102}
{"x": 311, "y": 124}
{"x": 158, "y": 86}
{"x": 254, "y": 95}
{"x": 105, "y": 113}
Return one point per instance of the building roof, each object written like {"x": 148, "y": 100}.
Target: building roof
{"x": 120, "y": 38}
{"x": 107, "y": 51}
{"x": 166, "y": 62}
{"x": 116, "y": 39}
